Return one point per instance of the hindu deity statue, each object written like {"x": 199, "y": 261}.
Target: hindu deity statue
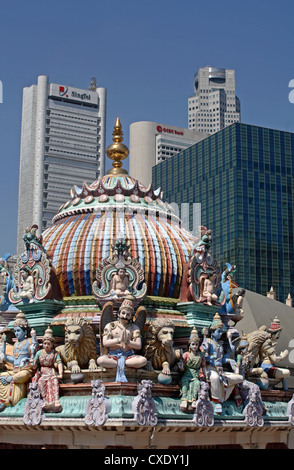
{"x": 262, "y": 349}
{"x": 50, "y": 367}
{"x": 201, "y": 275}
{"x": 222, "y": 382}
{"x": 27, "y": 288}
{"x": 20, "y": 367}
{"x": 7, "y": 275}
{"x": 194, "y": 368}
{"x": 209, "y": 288}
{"x": 232, "y": 303}
{"x": 232, "y": 358}
{"x": 121, "y": 338}
{"x": 120, "y": 283}
{"x": 118, "y": 276}
{"x": 35, "y": 277}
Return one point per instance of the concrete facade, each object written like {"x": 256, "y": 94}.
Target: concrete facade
{"x": 126, "y": 434}
{"x": 62, "y": 144}
{"x": 214, "y": 104}
{"x": 152, "y": 143}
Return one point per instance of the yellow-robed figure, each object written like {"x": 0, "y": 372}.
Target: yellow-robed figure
{"x": 20, "y": 368}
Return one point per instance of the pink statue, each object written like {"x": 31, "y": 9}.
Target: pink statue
{"x": 50, "y": 366}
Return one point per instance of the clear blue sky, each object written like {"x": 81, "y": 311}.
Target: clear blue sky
{"x": 145, "y": 53}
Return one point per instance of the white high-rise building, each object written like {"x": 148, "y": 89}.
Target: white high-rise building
{"x": 63, "y": 134}
{"x": 152, "y": 143}
{"x": 214, "y": 104}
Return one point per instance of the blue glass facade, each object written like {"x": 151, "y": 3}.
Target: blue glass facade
{"x": 243, "y": 178}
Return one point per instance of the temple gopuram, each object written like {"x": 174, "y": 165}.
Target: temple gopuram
{"x": 121, "y": 331}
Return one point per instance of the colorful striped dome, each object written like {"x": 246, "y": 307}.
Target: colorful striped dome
{"x": 86, "y": 226}
{"x": 117, "y": 206}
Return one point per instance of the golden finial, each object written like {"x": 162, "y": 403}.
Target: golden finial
{"x": 117, "y": 151}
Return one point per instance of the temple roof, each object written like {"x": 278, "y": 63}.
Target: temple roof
{"x": 117, "y": 206}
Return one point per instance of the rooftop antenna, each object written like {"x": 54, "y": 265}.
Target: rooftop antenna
{"x": 93, "y": 84}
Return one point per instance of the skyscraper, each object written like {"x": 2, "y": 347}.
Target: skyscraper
{"x": 152, "y": 143}
{"x": 214, "y": 104}
{"x": 62, "y": 145}
{"x": 243, "y": 178}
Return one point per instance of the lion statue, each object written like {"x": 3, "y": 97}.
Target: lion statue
{"x": 79, "y": 350}
{"x": 158, "y": 346}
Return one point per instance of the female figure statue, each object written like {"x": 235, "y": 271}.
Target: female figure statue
{"x": 49, "y": 363}
{"x": 19, "y": 366}
{"x": 194, "y": 367}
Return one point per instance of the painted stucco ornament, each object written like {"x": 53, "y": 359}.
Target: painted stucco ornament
{"x": 243, "y": 365}
{"x": 121, "y": 338}
{"x": 34, "y": 274}
{"x": 254, "y": 410}
{"x": 31, "y": 240}
{"x": 222, "y": 382}
{"x": 143, "y": 405}
{"x": 231, "y": 304}
{"x": 98, "y": 407}
{"x": 7, "y": 274}
{"x": 203, "y": 412}
{"x": 215, "y": 364}
{"x": 290, "y": 410}
{"x": 50, "y": 371}
{"x": 193, "y": 371}
{"x": 33, "y": 409}
{"x": 159, "y": 349}
{"x": 79, "y": 349}
{"x": 262, "y": 351}
{"x": 20, "y": 367}
{"x": 119, "y": 275}
{"x": 201, "y": 276}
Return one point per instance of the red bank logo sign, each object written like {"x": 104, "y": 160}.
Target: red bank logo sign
{"x": 167, "y": 130}
{"x": 63, "y": 91}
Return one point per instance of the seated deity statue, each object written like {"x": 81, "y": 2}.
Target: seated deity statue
{"x": 222, "y": 382}
{"x": 28, "y": 289}
{"x": 121, "y": 338}
{"x": 269, "y": 357}
{"x": 120, "y": 283}
{"x": 20, "y": 367}
{"x": 209, "y": 289}
{"x": 263, "y": 356}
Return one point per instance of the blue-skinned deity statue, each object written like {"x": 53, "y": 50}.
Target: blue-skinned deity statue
{"x": 231, "y": 303}
{"x": 19, "y": 365}
{"x": 221, "y": 382}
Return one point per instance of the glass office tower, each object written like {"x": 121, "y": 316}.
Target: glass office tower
{"x": 243, "y": 178}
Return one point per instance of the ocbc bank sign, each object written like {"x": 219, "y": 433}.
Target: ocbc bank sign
{"x": 168, "y": 130}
